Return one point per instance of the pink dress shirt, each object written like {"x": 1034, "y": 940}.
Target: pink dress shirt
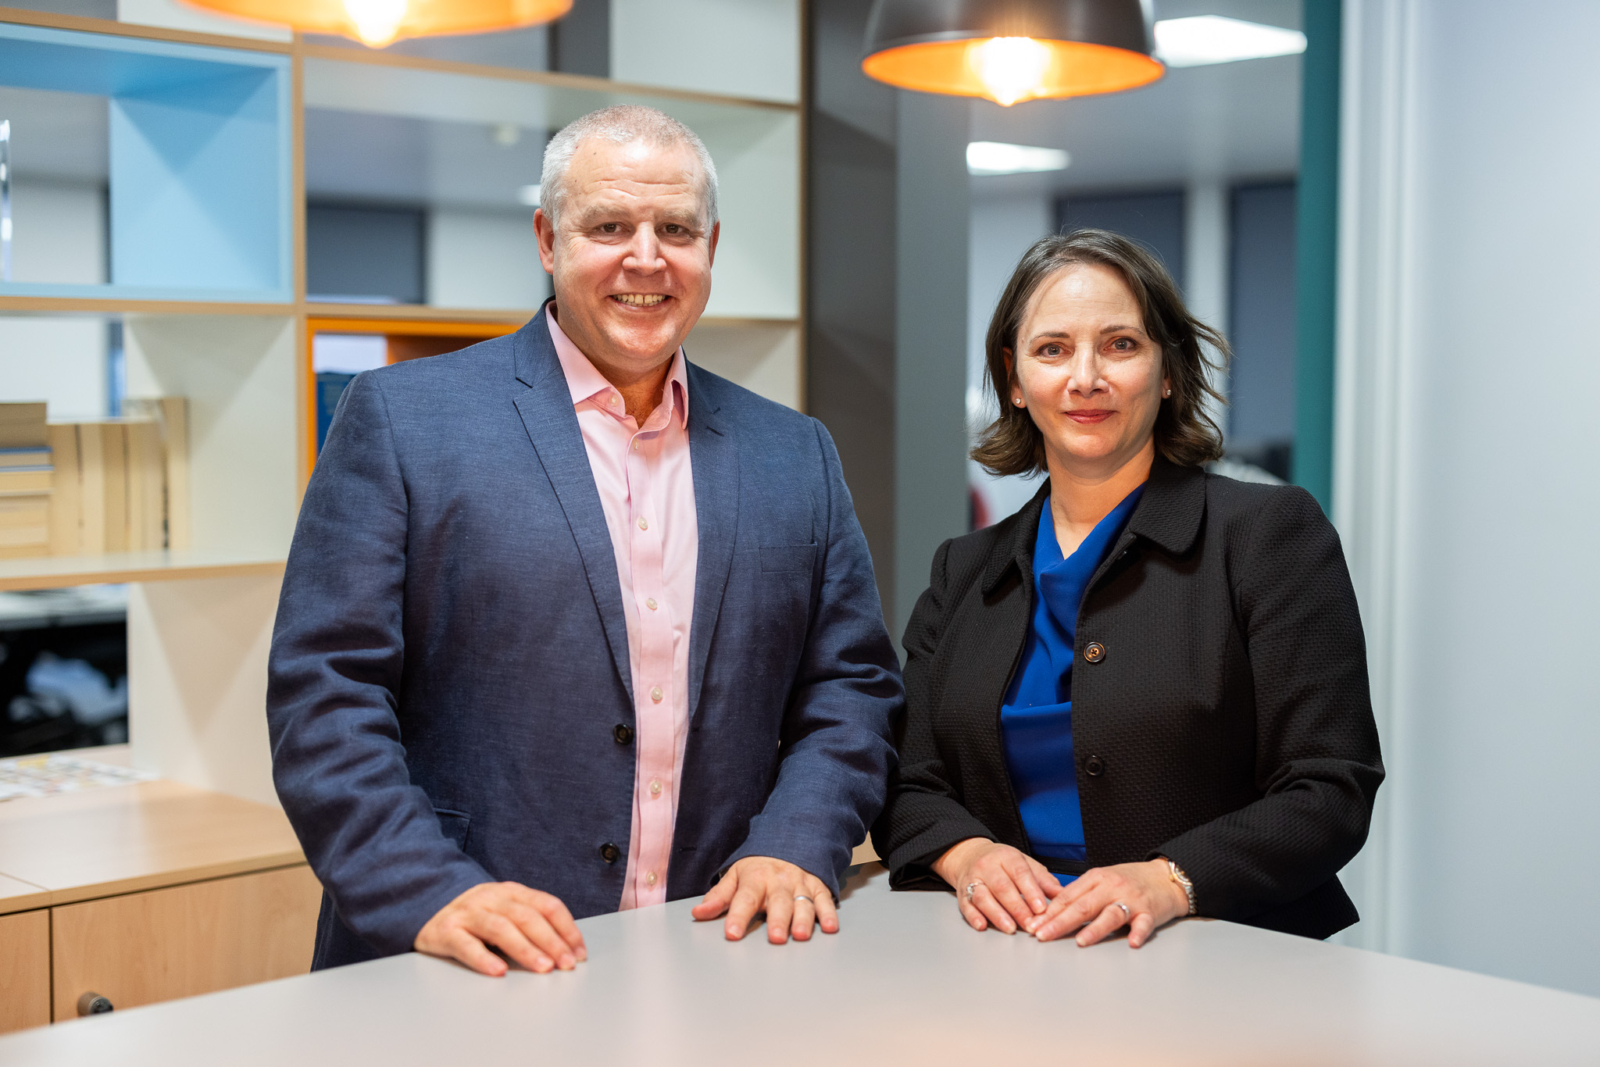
{"x": 647, "y": 491}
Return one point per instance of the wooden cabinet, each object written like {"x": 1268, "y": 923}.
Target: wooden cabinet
{"x": 145, "y": 893}
{"x": 161, "y": 944}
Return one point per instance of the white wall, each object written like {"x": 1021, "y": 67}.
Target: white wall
{"x": 484, "y": 259}
{"x": 60, "y": 236}
{"x": 740, "y": 47}
{"x": 1465, "y": 485}
{"x": 1001, "y": 230}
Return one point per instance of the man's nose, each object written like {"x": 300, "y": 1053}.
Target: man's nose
{"x": 644, "y": 252}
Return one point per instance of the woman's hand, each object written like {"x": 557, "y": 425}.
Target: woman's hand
{"x": 1009, "y": 889}
{"x": 1140, "y": 896}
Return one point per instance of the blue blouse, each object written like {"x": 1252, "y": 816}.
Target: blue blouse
{"x": 1036, "y": 718}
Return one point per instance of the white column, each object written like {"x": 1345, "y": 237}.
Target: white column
{"x": 1464, "y": 486}
{"x": 1205, "y": 265}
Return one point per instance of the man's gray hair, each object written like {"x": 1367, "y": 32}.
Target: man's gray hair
{"x": 621, "y": 124}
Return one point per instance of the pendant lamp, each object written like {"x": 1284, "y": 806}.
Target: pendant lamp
{"x": 377, "y": 23}
{"x": 1011, "y": 50}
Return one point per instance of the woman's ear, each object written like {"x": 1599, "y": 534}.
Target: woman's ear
{"x": 1014, "y": 388}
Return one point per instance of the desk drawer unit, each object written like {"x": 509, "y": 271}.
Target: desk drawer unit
{"x": 180, "y": 941}
{"x": 24, "y": 970}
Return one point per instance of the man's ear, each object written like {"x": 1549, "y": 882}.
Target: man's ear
{"x": 546, "y": 234}
{"x": 711, "y": 254}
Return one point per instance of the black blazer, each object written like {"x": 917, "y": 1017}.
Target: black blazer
{"x": 1223, "y": 720}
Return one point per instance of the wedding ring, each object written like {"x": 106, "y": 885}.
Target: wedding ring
{"x": 972, "y": 887}
{"x": 1126, "y": 914}
{"x": 802, "y": 896}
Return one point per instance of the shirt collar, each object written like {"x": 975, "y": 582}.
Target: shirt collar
{"x": 585, "y": 382}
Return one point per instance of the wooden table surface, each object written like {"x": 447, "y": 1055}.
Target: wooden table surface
{"x": 123, "y": 838}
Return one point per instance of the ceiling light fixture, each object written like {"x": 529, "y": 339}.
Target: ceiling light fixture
{"x": 1204, "y": 39}
{"x": 377, "y": 23}
{"x": 996, "y": 157}
{"x": 1010, "y": 50}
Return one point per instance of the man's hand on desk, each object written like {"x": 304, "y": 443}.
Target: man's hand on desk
{"x": 792, "y": 899}
{"x": 533, "y": 928}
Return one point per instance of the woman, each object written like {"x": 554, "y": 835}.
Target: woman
{"x": 1149, "y": 676}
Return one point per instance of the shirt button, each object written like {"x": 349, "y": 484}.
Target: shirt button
{"x": 1094, "y": 652}
{"x": 622, "y": 732}
{"x": 649, "y": 877}
{"x": 656, "y": 694}
{"x": 655, "y": 787}
{"x": 610, "y": 853}
{"x": 643, "y": 525}
{"x": 612, "y": 399}
{"x": 636, "y": 446}
{"x": 651, "y": 604}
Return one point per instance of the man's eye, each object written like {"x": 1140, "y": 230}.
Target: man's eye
{"x": 673, "y": 228}
{"x": 609, "y": 227}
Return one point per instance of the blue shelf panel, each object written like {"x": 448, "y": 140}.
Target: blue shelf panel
{"x": 199, "y": 158}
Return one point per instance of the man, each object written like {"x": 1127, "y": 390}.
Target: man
{"x": 571, "y": 625}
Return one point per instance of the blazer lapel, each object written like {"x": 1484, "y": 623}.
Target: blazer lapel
{"x": 714, "y": 459}
{"x": 552, "y": 425}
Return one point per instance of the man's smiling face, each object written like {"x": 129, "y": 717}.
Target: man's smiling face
{"x": 631, "y": 259}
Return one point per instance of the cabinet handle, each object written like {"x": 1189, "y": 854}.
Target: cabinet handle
{"x": 93, "y": 1004}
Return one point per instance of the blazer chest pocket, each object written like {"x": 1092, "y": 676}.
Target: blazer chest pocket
{"x": 788, "y": 557}
{"x": 455, "y": 824}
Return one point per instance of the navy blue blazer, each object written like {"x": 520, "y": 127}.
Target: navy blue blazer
{"x": 450, "y": 662}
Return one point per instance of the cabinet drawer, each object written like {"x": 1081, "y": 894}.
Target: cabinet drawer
{"x": 189, "y": 939}
{"x": 24, "y": 970}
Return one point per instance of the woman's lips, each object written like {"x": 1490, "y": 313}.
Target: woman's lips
{"x": 1089, "y": 416}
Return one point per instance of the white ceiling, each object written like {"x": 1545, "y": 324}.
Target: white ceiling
{"x": 1225, "y": 122}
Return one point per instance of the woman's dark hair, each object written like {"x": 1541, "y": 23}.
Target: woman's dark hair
{"x": 1185, "y": 434}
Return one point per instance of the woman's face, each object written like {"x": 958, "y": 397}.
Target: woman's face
{"x": 1088, "y": 374}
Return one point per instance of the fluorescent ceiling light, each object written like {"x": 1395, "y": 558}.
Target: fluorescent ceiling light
{"x": 528, "y": 195}
{"x": 993, "y": 157}
{"x": 1203, "y": 39}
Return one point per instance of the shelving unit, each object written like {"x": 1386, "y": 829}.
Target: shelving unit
{"x": 206, "y": 167}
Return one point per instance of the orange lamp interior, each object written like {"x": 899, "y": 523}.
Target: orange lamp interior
{"x": 1073, "y": 69}
{"x": 380, "y": 22}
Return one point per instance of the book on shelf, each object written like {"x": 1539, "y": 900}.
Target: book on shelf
{"x": 120, "y": 485}
{"x": 26, "y": 481}
{"x": 23, "y": 426}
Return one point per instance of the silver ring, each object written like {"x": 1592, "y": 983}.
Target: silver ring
{"x": 972, "y": 887}
{"x": 1126, "y": 914}
{"x": 802, "y": 896}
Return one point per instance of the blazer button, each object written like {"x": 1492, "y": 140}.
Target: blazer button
{"x": 1094, "y": 766}
{"x": 609, "y": 852}
{"x": 623, "y": 733}
{"x": 1094, "y": 652}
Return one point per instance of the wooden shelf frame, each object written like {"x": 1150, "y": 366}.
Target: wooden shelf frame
{"x": 57, "y": 572}
{"x": 299, "y": 46}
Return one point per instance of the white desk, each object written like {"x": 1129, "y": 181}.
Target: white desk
{"x": 904, "y": 982}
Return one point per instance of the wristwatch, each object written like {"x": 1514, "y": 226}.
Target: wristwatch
{"x": 1176, "y": 874}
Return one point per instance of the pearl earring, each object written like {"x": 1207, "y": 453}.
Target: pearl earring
{"x": 1017, "y": 400}
{"x": 1167, "y": 393}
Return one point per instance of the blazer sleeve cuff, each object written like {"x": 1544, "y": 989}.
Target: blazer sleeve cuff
{"x": 813, "y": 859}
{"x": 911, "y": 861}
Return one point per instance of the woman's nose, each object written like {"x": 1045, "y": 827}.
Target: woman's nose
{"x": 1083, "y": 371}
